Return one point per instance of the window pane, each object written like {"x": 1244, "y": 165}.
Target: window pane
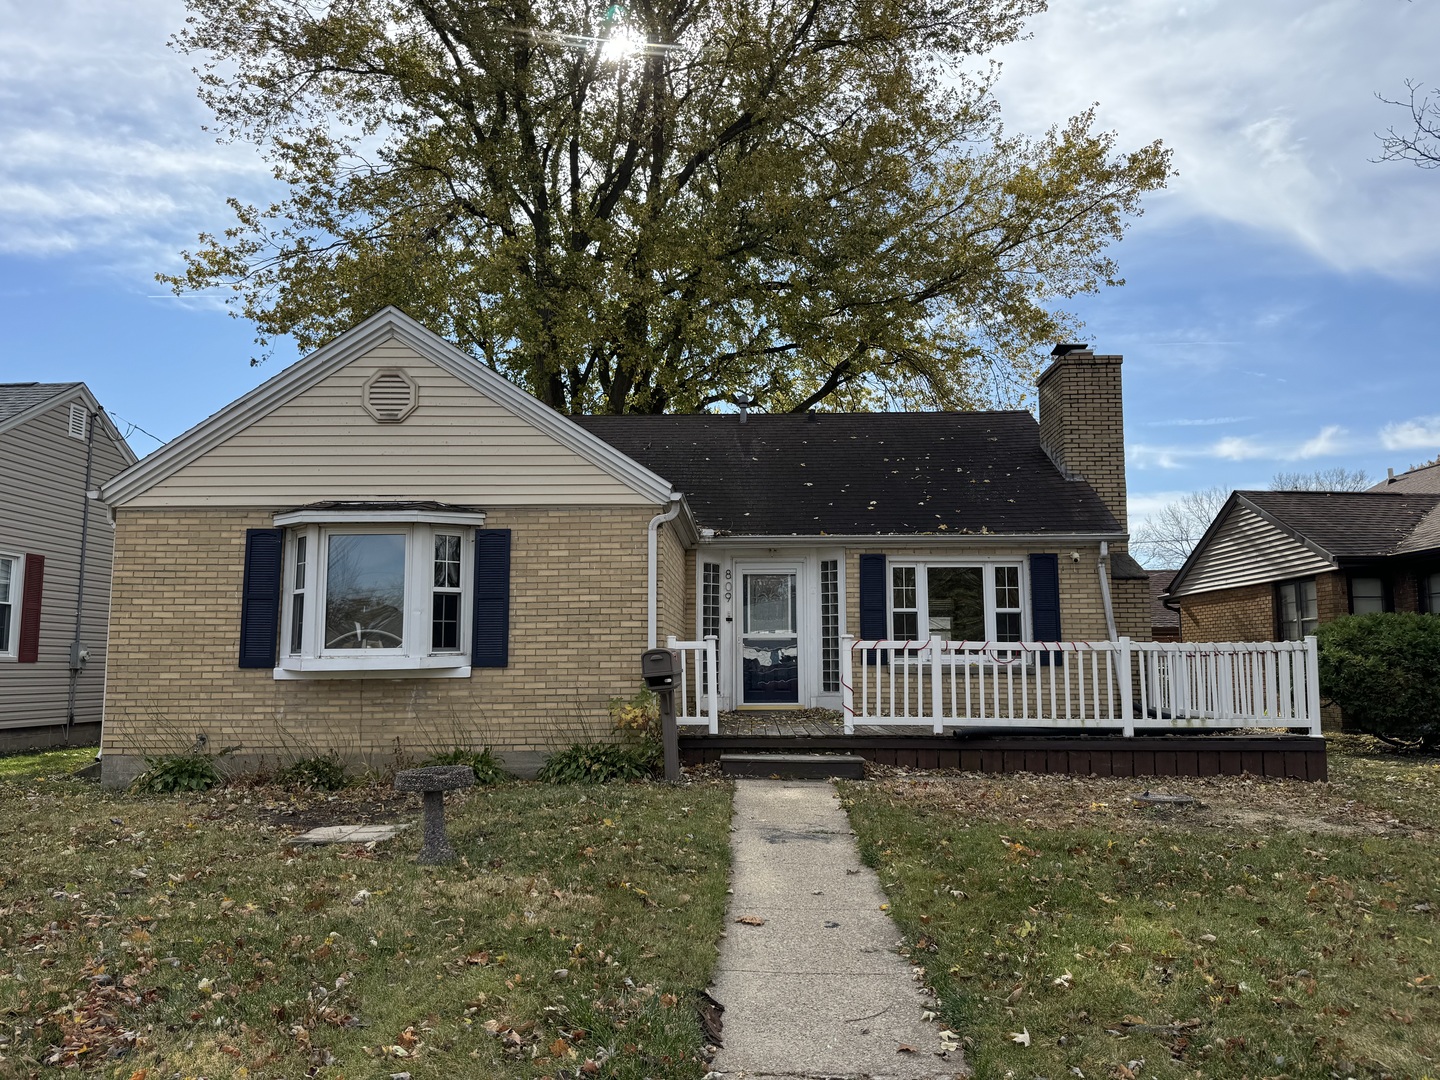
{"x": 300, "y": 561}
{"x": 1432, "y": 593}
{"x": 1007, "y": 589}
{"x": 1007, "y": 626}
{"x": 1367, "y": 595}
{"x": 907, "y": 626}
{"x": 7, "y": 608}
{"x": 445, "y": 622}
{"x": 365, "y": 591}
{"x": 903, "y": 578}
{"x": 829, "y": 625}
{"x": 7, "y": 572}
{"x": 957, "y": 602}
{"x": 447, "y": 562}
{"x": 1305, "y": 594}
{"x": 769, "y": 603}
{"x": 297, "y": 623}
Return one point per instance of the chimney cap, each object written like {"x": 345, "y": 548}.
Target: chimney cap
{"x": 1065, "y": 349}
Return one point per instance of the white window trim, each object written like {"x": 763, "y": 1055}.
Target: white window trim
{"x": 414, "y": 659}
{"x": 17, "y": 588}
{"x": 922, "y": 593}
{"x": 471, "y": 519}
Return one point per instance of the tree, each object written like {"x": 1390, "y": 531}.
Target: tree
{"x": 648, "y": 209}
{"x": 1171, "y": 533}
{"x": 1419, "y": 140}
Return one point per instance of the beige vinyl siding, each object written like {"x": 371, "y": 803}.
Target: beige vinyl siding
{"x": 42, "y": 476}
{"x": 1248, "y": 550}
{"x": 458, "y": 446}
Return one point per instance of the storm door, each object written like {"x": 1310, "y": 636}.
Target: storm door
{"x": 769, "y": 636}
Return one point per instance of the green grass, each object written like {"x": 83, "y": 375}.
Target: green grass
{"x": 1282, "y": 929}
{"x": 45, "y": 763}
{"x": 578, "y": 928}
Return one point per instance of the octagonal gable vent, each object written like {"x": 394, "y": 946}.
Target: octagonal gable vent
{"x": 390, "y": 396}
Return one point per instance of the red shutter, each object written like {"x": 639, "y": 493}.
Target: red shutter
{"x": 32, "y": 592}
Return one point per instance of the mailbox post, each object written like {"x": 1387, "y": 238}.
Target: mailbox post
{"x": 660, "y": 668}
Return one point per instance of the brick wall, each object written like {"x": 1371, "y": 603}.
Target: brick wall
{"x": 1246, "y": 613}
{"x": 577, "y": 626}
{"x": 1082, "y": 423}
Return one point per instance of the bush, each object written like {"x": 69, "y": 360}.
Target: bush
{"x": 169, "y": 773}
{"x": 1383, "y": 671}
{"x": 323, "y": 772}
{"x": 600, "y": 763}
{"x": 487, "y": 770}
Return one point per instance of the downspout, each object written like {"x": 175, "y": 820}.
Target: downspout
{"x": 1105, "y": 590}
{"x": 76, "y": 663}
{"x": 651, "y": 595}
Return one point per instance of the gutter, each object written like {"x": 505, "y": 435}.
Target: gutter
{"x": 1105, "y": 590}
{"x": 905, "y": 539}
{"x": 652, "y": 549}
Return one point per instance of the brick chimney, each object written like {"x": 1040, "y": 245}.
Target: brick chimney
{"x": 1082, "y": 421}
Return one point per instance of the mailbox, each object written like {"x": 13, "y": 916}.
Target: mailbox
{"x": 659, "y": 667}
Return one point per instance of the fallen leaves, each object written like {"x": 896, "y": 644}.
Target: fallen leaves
{"x": 1021, "y": 1037}
{"x": 750, "y": 920}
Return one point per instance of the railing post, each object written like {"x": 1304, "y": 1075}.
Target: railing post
{"x": 712, "y": 682}
{"x": 847, "y": 681}
{"x": 1127, "y": 705}
{"x": 936, "y": 709}
{"x": 1312, "y": 683}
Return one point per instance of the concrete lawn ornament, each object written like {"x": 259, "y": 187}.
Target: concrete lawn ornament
{"x": 432, "y": 783}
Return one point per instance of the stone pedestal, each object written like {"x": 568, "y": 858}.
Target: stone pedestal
{"x": 432, "y": 783}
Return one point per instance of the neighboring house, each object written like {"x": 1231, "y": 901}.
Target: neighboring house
{"x": 1164, "y": 620}
{"x": 387, "y": 546}
{"x": 55, "y": 444}
{"x": 1424, "y": 479}
{"x": 1275, "y": 564}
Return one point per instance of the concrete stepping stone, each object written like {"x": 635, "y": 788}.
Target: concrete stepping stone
{"x": 349, "y": 834}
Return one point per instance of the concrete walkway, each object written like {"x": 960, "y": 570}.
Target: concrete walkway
{"x": 819, "y": 990}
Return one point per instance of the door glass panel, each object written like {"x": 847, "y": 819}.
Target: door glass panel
{"x": 769, "y": 646}
{"x": 365, "y": 591}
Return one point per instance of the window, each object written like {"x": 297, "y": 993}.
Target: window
{"x": 9, "y": 605}
{"x": 709, "y": 609}
{"x": 1430, "y": 589}
{"x": 1296, "y": 607}
{"x": 1367, "y": 595}
{"x": 381, "y": 591}
{"x": 830, "y": 626}
{"x": 956, "y": 603}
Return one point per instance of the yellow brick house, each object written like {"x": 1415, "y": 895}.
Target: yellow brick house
{"x": 387, "y": 547}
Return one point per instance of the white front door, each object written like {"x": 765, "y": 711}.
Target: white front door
{"x": 768, "y": 635}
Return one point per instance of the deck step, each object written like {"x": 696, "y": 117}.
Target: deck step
{"x": 794, "y": 766}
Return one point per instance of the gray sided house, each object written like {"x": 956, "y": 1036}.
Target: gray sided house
{"x": 55, "y": 444}
{"x": 388, "y": 547}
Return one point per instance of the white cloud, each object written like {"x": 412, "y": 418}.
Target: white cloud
{"x": 1270, "y": 109}
{"x": 1332, "y": 440}
{"x": 1329, "y": 442}
{"x": 1421, "y": 433}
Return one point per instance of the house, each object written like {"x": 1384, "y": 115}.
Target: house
{"x": 1164, "y": 620}
{"x": 388, "y": 546}
{"x": 56, "y": 444}
{"x": 1421, "y": 479}
{"x": 1275, "y": 564}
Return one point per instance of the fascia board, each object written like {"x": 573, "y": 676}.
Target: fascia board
{"x": 910, "y": 539}
{"x": 331, "y": 357}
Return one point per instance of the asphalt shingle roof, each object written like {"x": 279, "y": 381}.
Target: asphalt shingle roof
{"x": 1160, "y": 615}
{"x": 1424, "y": 479}
{"x": 1350, "y": 524}
{"x": 860, "y": 474}
{"x": 16, "y": 398}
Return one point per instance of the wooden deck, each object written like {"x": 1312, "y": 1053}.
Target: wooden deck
{"x": 1297, "y": 757}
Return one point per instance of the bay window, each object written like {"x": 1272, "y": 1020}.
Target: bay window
{"x": 956, "y": 602}
{"x": 384, "y": 591}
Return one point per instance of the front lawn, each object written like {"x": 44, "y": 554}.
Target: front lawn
{"x": 190, "y": 937}
{"x": 45, "y": 763}
{"x": 1281, "y": 929}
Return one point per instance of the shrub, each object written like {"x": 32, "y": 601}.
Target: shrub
{"x": 1383, "y": 670}
{"x": 600, "y": 763}
{"x": 324, "y": 772}
{"x": 169, "y": 773}
{"x": 487, "y": 770}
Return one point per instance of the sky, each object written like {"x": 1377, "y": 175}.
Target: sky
{"x": 1280, "y": 298}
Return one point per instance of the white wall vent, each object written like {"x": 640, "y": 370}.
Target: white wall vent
{"x": 79, "y": 425}
{"x": 390, "y": 396}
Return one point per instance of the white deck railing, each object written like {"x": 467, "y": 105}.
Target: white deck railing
{"x": 1124, "y": 684}
{"x": 697, "y": 701}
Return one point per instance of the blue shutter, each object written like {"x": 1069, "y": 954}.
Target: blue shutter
{"x": 490, "y": 641}
{"x": 1045, "y": 597}
{"x": 260, "y": 598}
{"x": 872, "y": 601}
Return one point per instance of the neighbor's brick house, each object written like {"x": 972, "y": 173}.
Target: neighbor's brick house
{"x": 388, "y": 547}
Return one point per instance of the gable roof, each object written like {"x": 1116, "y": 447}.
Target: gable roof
{"x": 1425, "y": 478}
{"x": 389, "y": 323}
{"x": 21, "y": 402}
{"x": 862, "y": 474}
{"x": 1269, "y": 535}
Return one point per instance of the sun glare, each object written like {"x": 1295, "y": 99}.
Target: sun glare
{"x": 621, "y": 45}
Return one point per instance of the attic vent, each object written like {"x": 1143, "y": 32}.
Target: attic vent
{"x": 390, "y": 396}
{"x": 79, "y": 425}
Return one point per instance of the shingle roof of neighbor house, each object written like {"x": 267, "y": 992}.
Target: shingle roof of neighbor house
{"x": 16, "y": 398}
{"x": 861, "y": 474}
{"x": 1160, "y": 615}
{"x": 1426, "y": 478}
{"x": 1349, "y": 524}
